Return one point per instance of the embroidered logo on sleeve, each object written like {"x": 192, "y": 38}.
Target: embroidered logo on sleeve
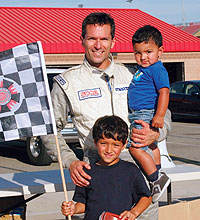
{"x": 89, "y": 93}
{"x": 60, "y": 79}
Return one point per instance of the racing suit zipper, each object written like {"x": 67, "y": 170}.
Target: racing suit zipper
{"x": 109, "y": 81}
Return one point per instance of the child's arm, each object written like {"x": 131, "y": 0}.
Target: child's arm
{"x": 69, "y": 208}
{"x": 163, "y": 101}
{"x": 137, "y": 210}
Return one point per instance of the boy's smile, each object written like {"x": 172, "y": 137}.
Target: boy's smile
{"x": 147, "y": 53}
{"x": 109, "y": 150}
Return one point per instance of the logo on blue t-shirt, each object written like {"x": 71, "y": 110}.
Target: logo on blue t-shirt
{"x": 138, "y": 75}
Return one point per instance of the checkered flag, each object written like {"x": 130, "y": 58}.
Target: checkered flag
{"x": 25, "y": 104}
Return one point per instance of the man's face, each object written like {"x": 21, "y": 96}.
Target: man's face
{"x": 147, "y": 53}
{"x": 98, "y": 43}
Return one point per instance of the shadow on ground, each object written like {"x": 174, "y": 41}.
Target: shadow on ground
{"x": 185, "y": 160}
{"x": 14, "y": 149}
{"x": 186, "y": 120}
{"x": 17, "y": 149}
{"x": 175, "y": 201}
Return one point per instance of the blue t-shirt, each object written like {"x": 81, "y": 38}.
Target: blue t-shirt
{"x": 143, "y": 90}
{"x": 114, "y": 188}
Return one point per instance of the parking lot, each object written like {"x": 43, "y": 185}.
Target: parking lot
{"x": 184, "y": 142}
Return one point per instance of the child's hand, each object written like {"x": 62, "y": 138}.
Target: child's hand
{"x": 68, "y": 208}
{"x": 127, "y": 215}
{"x": 157, "y": 121}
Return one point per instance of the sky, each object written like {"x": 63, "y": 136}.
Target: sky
{"x": 170, "y": 11}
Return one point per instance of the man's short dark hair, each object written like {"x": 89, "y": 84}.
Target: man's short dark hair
{"x": 110, "y": 126}
{"x": 147, "y": 33}
{"x": 99, "y": 18}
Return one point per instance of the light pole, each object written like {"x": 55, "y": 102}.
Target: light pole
{"x": 183, "y": 12}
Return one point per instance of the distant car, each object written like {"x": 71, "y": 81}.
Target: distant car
{"x": 36, "y": 151}
{"x": 184, "y": 99}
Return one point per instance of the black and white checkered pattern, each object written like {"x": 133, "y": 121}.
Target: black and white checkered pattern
{"x": 24, "y": 107}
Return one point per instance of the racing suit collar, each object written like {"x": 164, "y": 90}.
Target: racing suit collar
{"x": 108, "y": 71}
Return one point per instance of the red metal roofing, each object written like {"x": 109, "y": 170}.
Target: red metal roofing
{"x": 59, "y": 29}
{"x": 192, "y": 29}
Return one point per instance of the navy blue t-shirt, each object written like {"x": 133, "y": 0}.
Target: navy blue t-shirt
{"x": 113, "y": 189}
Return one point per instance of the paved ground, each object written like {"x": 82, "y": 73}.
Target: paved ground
{"x": 183, "y": 142}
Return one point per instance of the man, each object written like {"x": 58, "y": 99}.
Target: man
{"x": 96, "y": 88}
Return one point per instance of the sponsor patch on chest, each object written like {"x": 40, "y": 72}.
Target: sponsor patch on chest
{"x": 89, "y": 93}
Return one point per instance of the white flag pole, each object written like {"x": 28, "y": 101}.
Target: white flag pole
{"x": 62, "y": 172}
{"x": 53, "y": 122}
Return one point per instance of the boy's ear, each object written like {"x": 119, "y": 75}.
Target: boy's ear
{"x": 161, "y": 50}
{"x": 125, "y": 145}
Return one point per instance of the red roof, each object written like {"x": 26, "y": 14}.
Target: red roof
{"x": 59, "y": 29}
{"x": 192, "y": 29}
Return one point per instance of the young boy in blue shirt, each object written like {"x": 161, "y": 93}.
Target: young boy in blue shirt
{"x": 148, "y": 98}
{"x": 116, "y": 186}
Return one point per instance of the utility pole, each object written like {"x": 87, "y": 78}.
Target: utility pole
{"x": 183, "y": 12}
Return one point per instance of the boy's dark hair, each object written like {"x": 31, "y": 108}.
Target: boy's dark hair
{"x": 109, "y": 126}
{"x": 99, "y": 18}
{"x": 147, "y": 33}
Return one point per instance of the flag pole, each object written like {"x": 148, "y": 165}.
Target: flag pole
{"x": 53, "y": 122}
{"x": 62, "y": 172}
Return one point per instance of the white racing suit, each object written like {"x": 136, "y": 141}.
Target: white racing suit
{"x": 89, "y": 93}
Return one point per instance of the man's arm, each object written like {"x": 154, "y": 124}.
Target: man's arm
{"x": 61, "y": 109}
{"x": 69, "y": 159}
{"x": 164, "y": 132}
{"x": 148, "y": 135}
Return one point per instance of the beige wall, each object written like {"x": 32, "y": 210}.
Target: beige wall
{"x": 191, "y": 61}
{"x": 63, "y": 59}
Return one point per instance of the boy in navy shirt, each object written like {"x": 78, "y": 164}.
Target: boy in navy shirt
{"x": 116, "y": 186}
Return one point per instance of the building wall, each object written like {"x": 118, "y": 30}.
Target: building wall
{"x": 63, "y": 59}
{"x": 197, "y": 34}
{"x": 191, "y": 61}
